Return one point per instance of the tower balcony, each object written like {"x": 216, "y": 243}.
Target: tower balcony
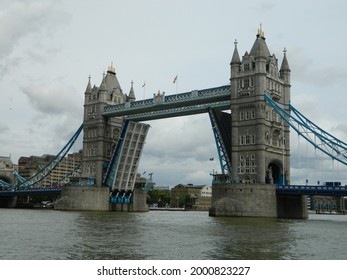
{"x": 246, "y": 91}
{"x": 275, "y": 95}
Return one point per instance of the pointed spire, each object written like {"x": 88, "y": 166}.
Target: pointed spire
{"x": 260, "y": 48}
{"x": 89, "y": 87}
{"x": 285, "y": 65}
{"x": 103, "y": 83}
{"x": 131, "y": 96}
{"x": 236, "y": 58}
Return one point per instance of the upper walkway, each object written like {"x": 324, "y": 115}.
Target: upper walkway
{"x": 182, "y": 104}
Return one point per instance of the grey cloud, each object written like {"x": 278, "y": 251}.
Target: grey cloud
{"x": 30, "y": 18}
{"x": 22, "y": 19}
{"x": 53, "y": 100}
{"x": 4, "y": 127}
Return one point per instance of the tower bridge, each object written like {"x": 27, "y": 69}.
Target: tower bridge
{"x": 250, "y": 118}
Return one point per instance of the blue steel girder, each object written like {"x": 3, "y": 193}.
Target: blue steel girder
{"x": 4, "y": 184}
{"x": 312, "y": 190}
{"x": 224, "y": 160}
{"x": 76, "y": 171}
{"x": 19, "y": 177}
{"x": 186, "y": 101}
{"x": 49, "y": 167}
{"x": 110, "y": 175}
{"x": 327, "y": 143}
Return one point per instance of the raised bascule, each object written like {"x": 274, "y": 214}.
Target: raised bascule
{"x": 251, "y": 119}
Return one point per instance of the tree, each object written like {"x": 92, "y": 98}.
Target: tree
{"x": 162, "y": 198}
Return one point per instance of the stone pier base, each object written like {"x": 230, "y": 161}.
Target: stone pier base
{"x": 8, "y": 202}
{"x": 83, "y": 198}
{"x": 97, "y": 199}
{"x": 138, "y": 203}
{"x": 255, "y": 200}
{"x": 292, "y": 206}
{"x": 246, "y": 200}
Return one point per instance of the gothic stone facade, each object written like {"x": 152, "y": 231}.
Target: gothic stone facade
{"x": 260, "y": 139}
{"x": 100, "y": 134}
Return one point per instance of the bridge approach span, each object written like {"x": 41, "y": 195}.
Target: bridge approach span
{"x": 312, "y": 190}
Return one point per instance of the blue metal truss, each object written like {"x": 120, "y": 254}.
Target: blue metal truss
{"x": 319, "y": 138}
{"x": 73, "y": 172}
{"x": 110, "y": 176}
{"x": 46, "y": 170}
{"x": 5, "y": 185}
{"x": 224, "y": 159}
{"x": 312, "y": 190}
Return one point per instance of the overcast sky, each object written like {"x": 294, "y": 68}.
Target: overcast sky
{"x": 48, "y": 49}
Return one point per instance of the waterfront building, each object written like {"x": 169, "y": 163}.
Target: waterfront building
{"x": 29, "y": 166}
{"x": 6, "y": 169}
{"x": 161, "y": 188}
{"x": 194, "y": 197}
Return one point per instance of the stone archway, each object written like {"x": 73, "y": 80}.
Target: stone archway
{"x": 274, "y": 173}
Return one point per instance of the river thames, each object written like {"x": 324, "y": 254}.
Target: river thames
{"x": 167, "y": 235}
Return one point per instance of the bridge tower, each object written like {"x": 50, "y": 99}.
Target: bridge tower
{"x": 260, "y": 140}
{"x": 101, "y": 134}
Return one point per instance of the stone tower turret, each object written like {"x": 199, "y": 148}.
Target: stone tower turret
{"x": 100, "y": 134}
{"x": 260, "y": 140}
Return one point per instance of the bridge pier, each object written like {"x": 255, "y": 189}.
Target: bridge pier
{"x": 246, "y": 200}
{"x": 83, "y": 198}
{"x": 8, "y": 202}
{"x": 79, "y": 198}
{"x": 138, "y": 203}
{"x": 255, "y": 200}
{"x": 292, "y": 206}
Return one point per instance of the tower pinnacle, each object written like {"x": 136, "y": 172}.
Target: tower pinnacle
{"x": 261, "y": 33}
{"x": 235, "y": 58}
{"x": 111, "y": 69}
{"x": 285, "y": 65}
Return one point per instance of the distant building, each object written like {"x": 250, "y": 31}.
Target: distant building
{"x": 162, "y": 188}
{"x": 29, "y": 166}
{"x": 194, "y": 197}
{"x": 143, "y": 182}
{"x": 6, "y": 169}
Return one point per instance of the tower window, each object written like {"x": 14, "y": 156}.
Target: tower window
{"x": 246, "y": 83}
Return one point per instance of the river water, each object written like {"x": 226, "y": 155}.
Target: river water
{"x": 164, "y": 235}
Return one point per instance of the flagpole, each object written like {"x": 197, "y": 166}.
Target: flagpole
{"x": 144, "y": 89}
{"x": 175, "y": 81}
